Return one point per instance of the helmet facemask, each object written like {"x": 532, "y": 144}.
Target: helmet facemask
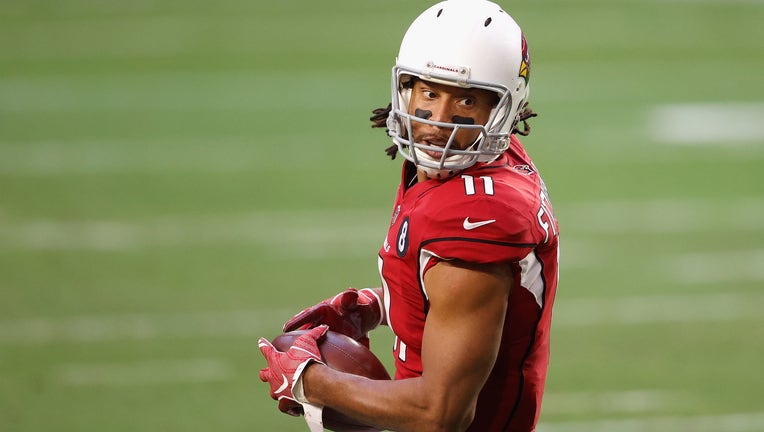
{"x": 489, "y": 144}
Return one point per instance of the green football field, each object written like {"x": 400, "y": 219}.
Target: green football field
{"x": 177, "y": 178}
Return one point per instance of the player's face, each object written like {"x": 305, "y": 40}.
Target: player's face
{"x": 448, "y": 104}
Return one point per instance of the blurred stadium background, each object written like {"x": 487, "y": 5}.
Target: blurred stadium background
{"x": 178, "y": 177}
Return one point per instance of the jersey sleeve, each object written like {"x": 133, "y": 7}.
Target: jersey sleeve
{"x": 483, "y": 229}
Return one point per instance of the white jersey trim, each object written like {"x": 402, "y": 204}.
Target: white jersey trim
{"x": 424, "y": 257}
{"x": 531, "y": 277}
{"x": 531, "y": 274}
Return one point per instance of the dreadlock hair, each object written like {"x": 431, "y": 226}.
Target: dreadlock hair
{"x": 379, "y": 120}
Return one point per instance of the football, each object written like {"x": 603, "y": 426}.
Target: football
{"x": 347, "y": 355}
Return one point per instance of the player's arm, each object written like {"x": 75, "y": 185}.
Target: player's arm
{"x": 460, "y": 344}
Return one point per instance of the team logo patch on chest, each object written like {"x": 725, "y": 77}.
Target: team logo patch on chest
{"x": 395, "y": 215}
{"x": 402, "y": 244}
{"x": 523, "y": 169}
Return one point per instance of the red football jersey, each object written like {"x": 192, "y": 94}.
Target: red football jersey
{"x": 491, "y": 213}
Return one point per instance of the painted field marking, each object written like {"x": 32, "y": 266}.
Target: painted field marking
{"x": 347, "y": 232}
{"x": 719, "y": 124}
{"x": 666, "y": 215}
{"x": 101, "y": 328}
{"x": 716, "y": 267}
{"x": 167, "y": 38}
{"x": 726, "y": 3}
{"x": 145, "y": 372}
{"x": 250, "y": 323}
{"x": 219, "y": 154}
{"x": 655, "y": 309}
{"x": 740, "y": 422}
{"x": 614, "y": 402}
{"x": 307, "y": 234}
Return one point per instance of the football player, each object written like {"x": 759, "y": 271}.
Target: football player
{"x": 469, "y": 266}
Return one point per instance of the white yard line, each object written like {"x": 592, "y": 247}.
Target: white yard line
{"x": 238, "y": 91}
{"x": 168, "y": 35}
{"x": 145, "y": 372}
{"x": 733, "y": 307}
{"x": 741, "y": 422}
{"x": 141, "y": 326}
{"x": 114, "y": 156}
{"x": 615, "y": 402}
{"x": 666, "y": 215}
{"x": 716, "y": 267}
{"x": 727, "y": 3}
{"x": 348, "y": 232}
{"x": 305, "y": 234}
{"x": 659, "y": 309}
{"x": 218, "y": 154}
{"x": 717, "y": 124}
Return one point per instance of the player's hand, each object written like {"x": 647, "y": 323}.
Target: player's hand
{"x": 352, "y": 312}
{"x": 285, "y": 369}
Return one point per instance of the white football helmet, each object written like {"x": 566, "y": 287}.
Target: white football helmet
{"x": 466, "y": 43}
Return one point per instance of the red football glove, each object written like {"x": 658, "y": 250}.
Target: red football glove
{"x": 352, "y": 312}
{"x": 284, "y": 371}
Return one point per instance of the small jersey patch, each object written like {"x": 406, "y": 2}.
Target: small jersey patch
{"x": 525, "y": 169}
{"x": 402, "y": 245}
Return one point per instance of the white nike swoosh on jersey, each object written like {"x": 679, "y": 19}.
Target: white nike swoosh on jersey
{"x": 472, "y": 225}
{"x": 283, "y": 385}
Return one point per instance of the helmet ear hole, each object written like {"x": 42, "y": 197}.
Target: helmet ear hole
{"x": 407, "y": 81}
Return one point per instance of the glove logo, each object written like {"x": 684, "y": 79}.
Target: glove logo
{"x": 402, "y": 246}
{"x": 283, "y": 385}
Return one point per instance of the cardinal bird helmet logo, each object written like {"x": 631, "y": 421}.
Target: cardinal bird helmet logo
{"x": 525, "y": 65}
